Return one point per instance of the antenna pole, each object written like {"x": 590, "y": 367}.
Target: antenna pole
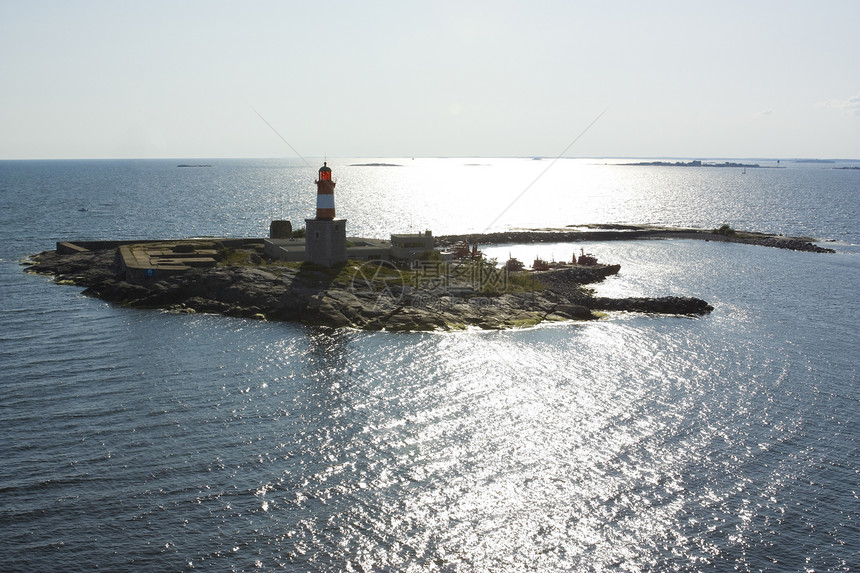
{"x": 282, "y": 137}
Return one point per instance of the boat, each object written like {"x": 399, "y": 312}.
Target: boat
{"x": 540, "y": 265}
{"x": 589, "y": 260}
{"x": 464, "y": 251}
{"x": 514, "y": 264}
{"x": 584, "y": 259}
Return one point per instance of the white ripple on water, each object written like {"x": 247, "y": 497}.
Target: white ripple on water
{"x": 460, "y": 455}
{"x": 625, "y": 462}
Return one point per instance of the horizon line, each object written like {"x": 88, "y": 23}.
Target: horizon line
{"x": 533, "y": 157}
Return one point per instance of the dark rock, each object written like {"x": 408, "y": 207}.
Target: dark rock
{"x": 573, "y": 311}
{"x": 662, "y": 305}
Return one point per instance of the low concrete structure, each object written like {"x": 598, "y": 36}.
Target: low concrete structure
{"x": 143, "y": 260}
{"x": 408, "y": 247}
{"x": 281, "y": 230}
{"x": 290, "y": 250}
{"x": 152, "y": 260}
{"x": 357, "y": 249}
{"x": 402, "y": 248}
{"x": 360, "y": 249}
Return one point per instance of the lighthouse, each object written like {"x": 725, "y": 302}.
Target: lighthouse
{"x": 325, "y": 239}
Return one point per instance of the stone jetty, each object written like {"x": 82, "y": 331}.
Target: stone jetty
{"x": 598, "y": 232}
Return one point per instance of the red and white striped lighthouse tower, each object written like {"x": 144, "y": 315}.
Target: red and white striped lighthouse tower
{"x": 325, "y": 236}
{"x": 325, "y": 194}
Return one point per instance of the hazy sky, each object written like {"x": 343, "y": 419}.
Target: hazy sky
{"x": 183, "y": 79}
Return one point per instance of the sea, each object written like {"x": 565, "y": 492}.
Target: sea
{"x": 140, "y": 440}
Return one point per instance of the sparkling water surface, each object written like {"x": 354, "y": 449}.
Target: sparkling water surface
{"x": 142, "y": 440}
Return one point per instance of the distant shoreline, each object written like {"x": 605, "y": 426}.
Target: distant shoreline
{"x": 699, "y": 163}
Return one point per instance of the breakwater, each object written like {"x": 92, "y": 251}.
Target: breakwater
{"x": 631, "y": 232}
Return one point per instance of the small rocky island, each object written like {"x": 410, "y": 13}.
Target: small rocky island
{"x": 238, "y": 277}
{"x": 234, "y": 277}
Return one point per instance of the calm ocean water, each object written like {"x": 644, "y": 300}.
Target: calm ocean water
{"x": 141, "y": 440}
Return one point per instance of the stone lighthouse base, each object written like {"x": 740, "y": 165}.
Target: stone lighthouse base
{"x": 325, "y": 241}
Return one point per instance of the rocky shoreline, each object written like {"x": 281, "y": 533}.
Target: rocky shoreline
{"x": 370, "y": 296}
